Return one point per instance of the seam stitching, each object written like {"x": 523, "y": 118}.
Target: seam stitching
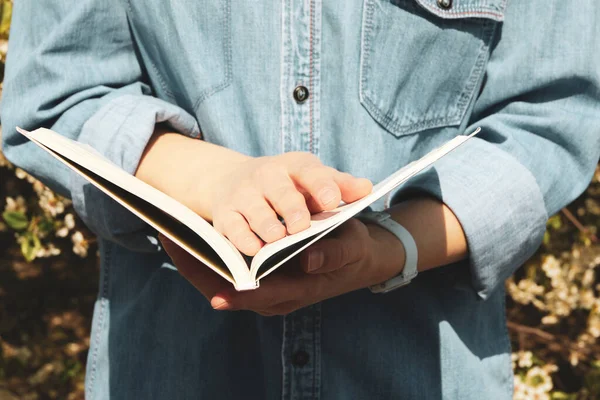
{"x": 466, "y": 11}
{"x": 151, "y": 63}
{"x": 511, "y": 382}
{"x": 227, "y": 55}
{"x": 101, "y": 317}
{"x": 310, "y": 77}
{"x": 392, "y": 123}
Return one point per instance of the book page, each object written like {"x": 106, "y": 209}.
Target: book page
{"x": 168, "y": 216}
{"x": 323, "y": 223}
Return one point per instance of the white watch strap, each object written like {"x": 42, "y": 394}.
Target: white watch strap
{"x": 409, "y": 272}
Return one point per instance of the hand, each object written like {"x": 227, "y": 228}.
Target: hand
{"x": 354, "y": 257}
{"x": 244, "y": 196}
{"x": 250, "y": 198}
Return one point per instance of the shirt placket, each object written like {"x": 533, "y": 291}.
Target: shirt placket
{"x": 301, "y": 75}
{"x": 300, "y": 131}
{"x": 301, "y": 354}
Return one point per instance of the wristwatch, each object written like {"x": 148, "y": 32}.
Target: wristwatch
{"x": 409, "y": 272}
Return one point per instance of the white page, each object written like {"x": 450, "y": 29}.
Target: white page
{"x": 323, "y": 223}
{"x": 97, "y": 164}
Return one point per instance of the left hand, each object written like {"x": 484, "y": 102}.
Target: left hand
{"x": 354, "y": 257}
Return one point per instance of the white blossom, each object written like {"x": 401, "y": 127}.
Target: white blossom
{"x": 51, "y": 203}
{"x": 525, "y": 359}
{"x": 16, "y": 205}
{"x": 549, "y": 319}
{"x": 80, "y": 244}
{"x": 48, "y": 251}
{"x": 19, "y": 173}
{"x": 539, "y": 379}
{"x": 69, "y": 221}
{"x": 62, "y": 232}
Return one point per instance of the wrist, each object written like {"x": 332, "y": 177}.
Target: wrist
{"x": 390, "y": 255}
{"x": 187, "y": 169}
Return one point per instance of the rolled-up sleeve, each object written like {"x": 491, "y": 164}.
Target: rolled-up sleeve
{"x": 539, "y": 110}
{"x": 72, "y": 67}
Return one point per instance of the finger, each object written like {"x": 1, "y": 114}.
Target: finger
{"x": 286, "y": 200}
{"x": 282, "y": 294}
{"x": 204, "y": 279}
{"x": 235, "y": 228}
{"x": 317, "y": 180}
{"x": 349, "y": 245}
{"x": 261, "y": 218}
{"x": 276, "y": 290}
{"x": 352, "y": 188}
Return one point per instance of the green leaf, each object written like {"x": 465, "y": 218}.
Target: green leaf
{"x": 5, "y": 18}
{"x": 16, "y": 220}
{"x": 30, "y": 246}
{"x": 563, "y": 396}
{"x": 72, "y": 369}
{"x": 46, "y": 225}
{"x": 555, "y": 222}
{"x": 546, "y": 238}
{"x": 531, "y": 271}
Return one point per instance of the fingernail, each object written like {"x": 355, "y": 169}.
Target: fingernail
{"x": 315, "y": 260}
{"x": 274, "y": 228}
{"x": 219, "y": 304}
{"x": 295, "y": 217}
{"x": 249, "y": 241}
{"x": 326, "y": 196}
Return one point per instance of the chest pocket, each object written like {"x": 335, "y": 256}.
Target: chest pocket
{"x": 185, "y": 46}
{"x": 422, "y": 60}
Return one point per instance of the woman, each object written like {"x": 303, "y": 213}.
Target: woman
{"x": 249, "y": 112}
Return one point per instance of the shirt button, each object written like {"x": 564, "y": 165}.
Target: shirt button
{"x": 300, "y": 94}
{"x": 300, "y": 358}
{"x": 445, "y": 4}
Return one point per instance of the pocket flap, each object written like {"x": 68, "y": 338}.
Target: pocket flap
{"x": 489, "y": 9}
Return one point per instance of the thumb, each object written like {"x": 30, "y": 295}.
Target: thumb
{"x": 333, "y": 253}
{"x": 168, "y": 245}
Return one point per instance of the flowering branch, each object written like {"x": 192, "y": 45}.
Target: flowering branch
{"x": 555, "y": 342}
{"x": 579, "y": 225}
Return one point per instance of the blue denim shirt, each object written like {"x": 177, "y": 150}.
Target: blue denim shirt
{"x": 388, "y": 80}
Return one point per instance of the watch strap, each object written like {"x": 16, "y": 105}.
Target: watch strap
{"x": 409, "y": 272}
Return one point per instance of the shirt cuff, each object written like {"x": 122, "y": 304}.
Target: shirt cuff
{"x": 120, "y": 131}
{"x": 498, "y": 203}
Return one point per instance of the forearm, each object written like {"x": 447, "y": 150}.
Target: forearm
{"x": 437, "y": 232}
{"x": 169, "y": 157}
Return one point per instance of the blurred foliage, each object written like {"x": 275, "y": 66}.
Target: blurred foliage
{"x": 553, "y": 307}
{"x": 6, "y": 14}
{"x": 48, "y": 285}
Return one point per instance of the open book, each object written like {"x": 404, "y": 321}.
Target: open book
{"x": 194, "y": 234}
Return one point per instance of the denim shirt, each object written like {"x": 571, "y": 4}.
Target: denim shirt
{"x": 387, "y": 81}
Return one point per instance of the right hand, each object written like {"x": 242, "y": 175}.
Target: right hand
{"x": 250, "y": 198}
{"x": 242, "y": 195}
